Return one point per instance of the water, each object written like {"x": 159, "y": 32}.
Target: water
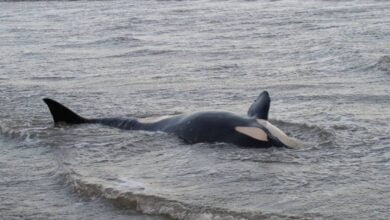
{"x": 325, "y": 63}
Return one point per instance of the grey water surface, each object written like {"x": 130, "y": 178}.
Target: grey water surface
{"x": 326, "y": 65}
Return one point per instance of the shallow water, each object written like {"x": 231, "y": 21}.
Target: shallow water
{"x": 325, "y": 63}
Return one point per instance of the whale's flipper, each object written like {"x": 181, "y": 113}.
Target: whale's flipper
{"x": 61, "y": 113}
{"x": 260, "y": 107}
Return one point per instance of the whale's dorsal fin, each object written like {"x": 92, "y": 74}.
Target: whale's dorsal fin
{"x": 260, "y": 107}
{"x": 61, "y": 113}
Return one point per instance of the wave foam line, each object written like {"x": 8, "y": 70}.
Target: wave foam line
{"x": 155, "y": 205}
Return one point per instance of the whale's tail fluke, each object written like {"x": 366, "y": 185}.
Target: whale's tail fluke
{"x": 61, "y": 113}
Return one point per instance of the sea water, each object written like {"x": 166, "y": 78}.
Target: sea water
{"x": 325, "y": 64}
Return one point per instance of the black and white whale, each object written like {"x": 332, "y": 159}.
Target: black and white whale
{"x": 254, "y": 130}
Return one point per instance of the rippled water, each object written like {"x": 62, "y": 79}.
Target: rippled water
{"x": 325, "y": 63}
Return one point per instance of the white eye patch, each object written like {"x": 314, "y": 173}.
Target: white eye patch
{"x": 253, "y": 132}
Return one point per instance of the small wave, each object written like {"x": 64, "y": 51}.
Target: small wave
{"x": 113, "y": 41}
{"x": 156, "y": 205}
{"x": 221, "y": 67}
{"x": 12, "y": 133}
{"x": 310, "y": 135}
{"x": 116, "y": 40}
{"x": 383, "y": 64}
{"x": 142, "y": 52}
{"x": 51, "y": 78}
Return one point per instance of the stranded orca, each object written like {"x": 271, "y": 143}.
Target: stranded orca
{"x": 252, "y": 131}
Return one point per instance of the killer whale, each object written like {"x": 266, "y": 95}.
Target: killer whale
{"x": 254, "y": 130}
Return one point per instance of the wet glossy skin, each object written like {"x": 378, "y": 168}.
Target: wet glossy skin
{"x": 197, "y": 127}
{"x": 192, "y": 128}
